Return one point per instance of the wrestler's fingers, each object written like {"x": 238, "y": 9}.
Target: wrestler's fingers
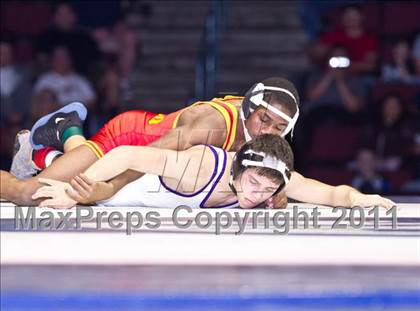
{"x": 83, "y": 184}
{"x": 48, "y": 181}
{"x": 87, "y": 180}
{"x": 54, "y": 203}
{"x": 74, "y": 195}
{"x": 46, "y": 188}
{"x": 43, "y": 193}
{"x": 387, "y": 203}
{"x": 77, "y": 187}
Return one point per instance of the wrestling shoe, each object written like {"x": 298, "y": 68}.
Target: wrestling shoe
{"x": 48, "y": 130}
{"x": 22, "y": 165}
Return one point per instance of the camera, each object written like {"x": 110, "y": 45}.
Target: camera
{"x": 339, "y": 62}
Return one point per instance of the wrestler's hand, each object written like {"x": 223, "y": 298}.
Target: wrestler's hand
{"x": 88, "y": 191}
{"x": 55, "y": 192}
{"x": 277, "y": 201}
{"x": 367, "y": 200}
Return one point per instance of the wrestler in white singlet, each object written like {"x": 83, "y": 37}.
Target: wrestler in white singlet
{"x": 151, "y": 191}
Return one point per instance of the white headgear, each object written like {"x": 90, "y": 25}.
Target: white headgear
{"x": 247, "y": 157}
{"x": 255, "y": 98}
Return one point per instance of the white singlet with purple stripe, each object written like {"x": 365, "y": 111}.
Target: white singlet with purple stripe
{"x": 151, "y": 191}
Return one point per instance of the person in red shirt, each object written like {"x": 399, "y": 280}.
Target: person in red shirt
{"x": 351, "y": 34}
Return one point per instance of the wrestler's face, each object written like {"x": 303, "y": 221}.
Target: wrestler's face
{"x": 263, "y": 121}
{"x": 253, "y": 189}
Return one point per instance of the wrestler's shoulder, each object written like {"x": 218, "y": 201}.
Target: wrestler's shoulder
{"x": 202, "y": 115}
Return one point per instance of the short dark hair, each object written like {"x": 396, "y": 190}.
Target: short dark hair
{"x": 280, "y": 98}
{"x": 59, "y": 4}
{"x": 272, "y": 145}
{"x": 350, "y": 6}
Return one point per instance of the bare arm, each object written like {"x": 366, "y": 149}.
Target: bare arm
{"x": 312, "y": 191}
{"x": 317, "y": 90}
{"x": 352, "y": 101}
{"x": 144, "y": 159}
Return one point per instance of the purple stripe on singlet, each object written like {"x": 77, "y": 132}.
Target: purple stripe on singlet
{"x": 201, "y": 190}
{"x": 215, "y": 184}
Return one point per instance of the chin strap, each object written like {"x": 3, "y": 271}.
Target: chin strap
{"x": 248, "y": 137}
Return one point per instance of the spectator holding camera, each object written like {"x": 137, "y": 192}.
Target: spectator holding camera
{"x": 362, "y": 47}
{"x": 334, "y": 86}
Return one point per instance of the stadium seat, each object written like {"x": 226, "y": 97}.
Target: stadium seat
{"x": 332, "y": 176}
{"x": 397, "y": 179}
{"x": 16, "y": 16}
{"x": 335, "y": 143}
{"x": 401, "y": 17}
{"x": 406, "y": 91}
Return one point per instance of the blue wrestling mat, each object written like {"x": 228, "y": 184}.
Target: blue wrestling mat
{"x": 19, "y": 301}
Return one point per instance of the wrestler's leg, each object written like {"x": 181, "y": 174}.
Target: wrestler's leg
{"x": 64, "y": 168}
{"x": 73, "y": 142}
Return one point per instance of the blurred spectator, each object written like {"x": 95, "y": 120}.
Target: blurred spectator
{"x": 65, "y": 32}
{"x": 64, "y": 81}
{"x": 413, "y": 160}
{"x": 334, "y": 86}
{"x": 393, "y": 135}
{"x": 15, "y": 86}
{"x": 368, "y": 180}
{"x": 43, "y": 102}
{"x": 401, "y": 67}
{"x": 416, "y": 55}
{"x": 118, "y": 44}
{"x": 109, "y": 91}
{"x": 362, "y": 47}
{"x": 8, "y": 131}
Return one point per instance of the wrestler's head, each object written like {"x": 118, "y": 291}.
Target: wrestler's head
{"x": 270, "y": 107}
{"x": 261, "y": 168}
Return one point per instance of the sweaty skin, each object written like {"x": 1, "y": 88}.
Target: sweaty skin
{"x": 201, "y": 124}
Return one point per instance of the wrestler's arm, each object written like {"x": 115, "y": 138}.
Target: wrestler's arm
{"x": 312, "y": 191}
{"x": 143, "y": 159}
